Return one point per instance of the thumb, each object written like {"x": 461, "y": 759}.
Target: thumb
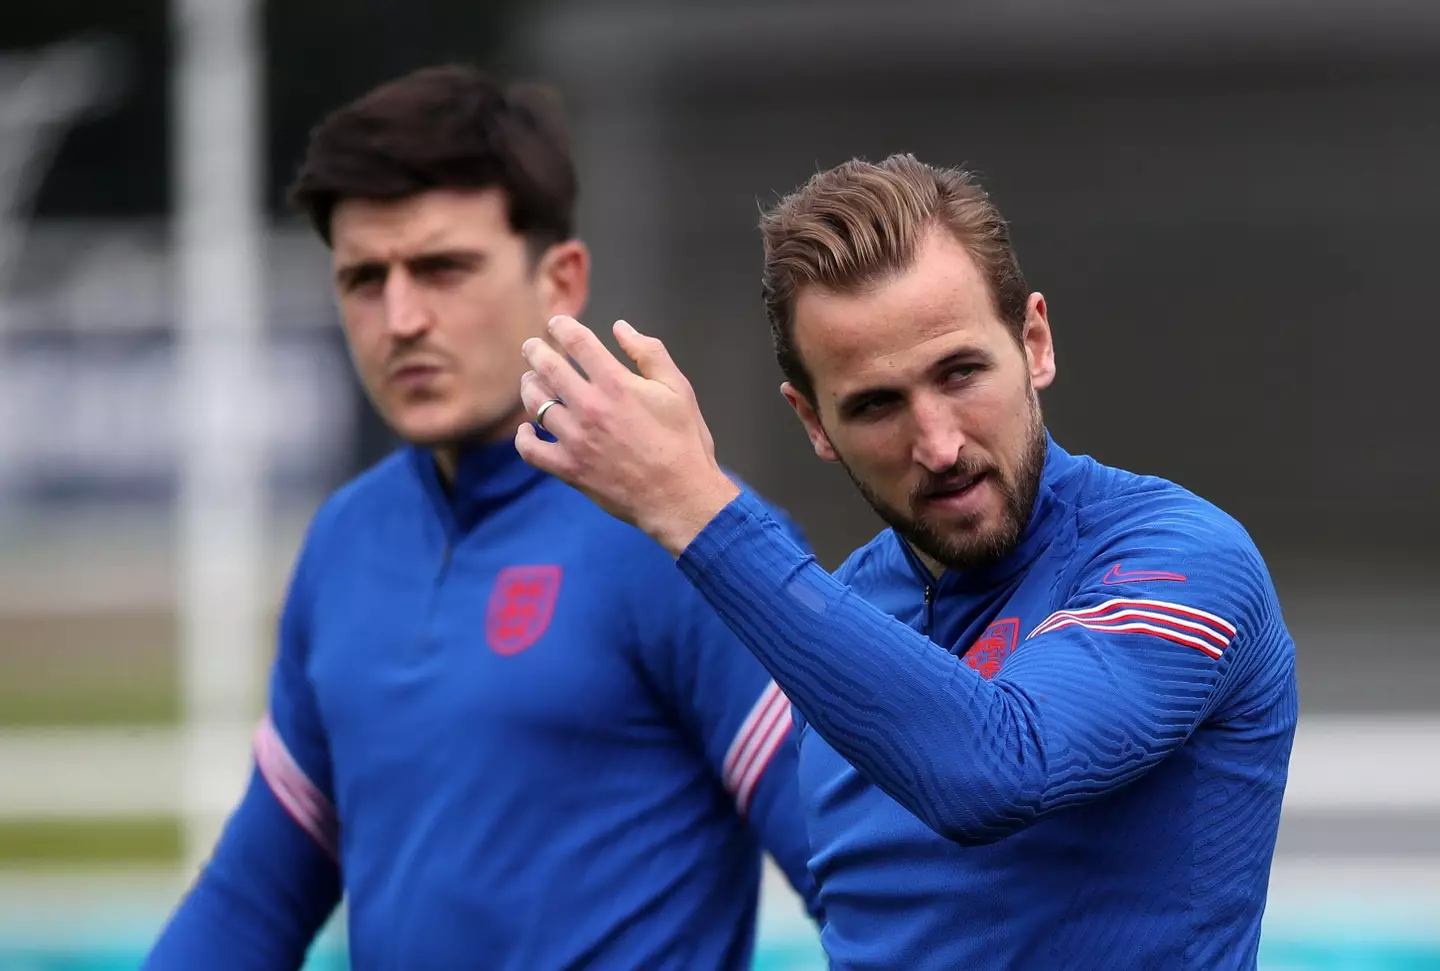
{"x": 650, "y": 356}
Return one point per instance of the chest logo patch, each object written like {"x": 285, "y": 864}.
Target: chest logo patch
{"x": 989, "y": 652}
{"x": 521, "y": 605}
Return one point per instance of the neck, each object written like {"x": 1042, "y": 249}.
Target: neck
{"x": 934, "y": 566}
{"x": 447, "y": 456}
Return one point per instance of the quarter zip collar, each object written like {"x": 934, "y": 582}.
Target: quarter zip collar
{"x": 486, "y": 477}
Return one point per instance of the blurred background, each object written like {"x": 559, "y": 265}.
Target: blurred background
{"x": 1229, "y": 204}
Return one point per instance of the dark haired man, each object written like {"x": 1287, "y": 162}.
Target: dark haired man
{"x": 501, "y": 724}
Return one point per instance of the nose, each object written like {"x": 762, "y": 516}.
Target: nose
{"x": 405, "y": 313}
{"x": 938, "y": 436}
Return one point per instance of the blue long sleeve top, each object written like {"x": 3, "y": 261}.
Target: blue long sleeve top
{"x": 1075, "y": 758}
{"x": 509, "y": 735}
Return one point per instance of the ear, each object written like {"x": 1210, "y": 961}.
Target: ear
{"x": 808, "y": 417}
{"x": 564, "y": 278}
{"x": 1039, "y": 345}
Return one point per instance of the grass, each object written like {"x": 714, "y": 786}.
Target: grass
{"x": 100, "y": 842}
{"x": 88, "y": 706}
{"x": 99, "y": 670}
{"x": 88, "y": 670}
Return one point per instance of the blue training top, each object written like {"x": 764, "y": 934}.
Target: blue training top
{"x": 1074, "y": 759}
{"x": 510, "y": 732}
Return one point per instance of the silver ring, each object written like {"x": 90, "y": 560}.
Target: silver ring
{"x": 545, "y": 406}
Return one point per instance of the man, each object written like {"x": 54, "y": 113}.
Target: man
{"x": 1045, "y": 718}
{"x": 501, "y": 723}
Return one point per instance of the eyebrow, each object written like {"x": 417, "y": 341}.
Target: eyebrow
{"x": 965, "y": 355}
{"x": 348, "y": 273}
{"x": 460, "y": 256}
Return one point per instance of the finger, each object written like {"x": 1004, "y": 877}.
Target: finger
{"x": 546, "y": 456}
{"x": 534, "y": 392}
{"x": 650, "y": 356}
{"x": 557, "y": 373}
{"x": 557, "y": 419}
{"x": 586, "y": 350}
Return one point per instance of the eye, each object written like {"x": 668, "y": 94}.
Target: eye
{"x": 960, "y": 373}
{"x": 365, "y": 280}
{"x": 441, "y": 270}
{"x": 871, "y": 407}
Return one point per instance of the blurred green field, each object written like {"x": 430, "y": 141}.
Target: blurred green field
{"x": 100, "y": 670}
{"x": 146, "y": 842}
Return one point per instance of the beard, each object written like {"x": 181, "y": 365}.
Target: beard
{"x": 972, "y": 546}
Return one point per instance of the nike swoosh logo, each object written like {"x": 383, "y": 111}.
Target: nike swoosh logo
{"x": 1116, "y": 575}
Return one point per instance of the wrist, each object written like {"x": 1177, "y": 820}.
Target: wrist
{"x": 677, "y": 522}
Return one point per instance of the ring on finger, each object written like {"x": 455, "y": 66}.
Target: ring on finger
{"x": 545, "y": 406}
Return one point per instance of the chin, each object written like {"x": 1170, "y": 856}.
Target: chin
{"x": 430, "y": 427}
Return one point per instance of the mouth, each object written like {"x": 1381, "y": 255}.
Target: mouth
{"x": 956, "y": 491}
{"x": 414, "y": 376}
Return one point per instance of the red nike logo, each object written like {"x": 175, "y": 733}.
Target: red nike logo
{"x": 1116, "y": 575}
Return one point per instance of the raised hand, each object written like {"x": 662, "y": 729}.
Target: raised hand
{"x": 634, "y": 443}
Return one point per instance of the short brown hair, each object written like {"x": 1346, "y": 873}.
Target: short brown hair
{"x": 858, "y": 223}
{"x": 446, "y": 127}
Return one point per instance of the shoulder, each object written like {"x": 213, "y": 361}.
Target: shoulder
{"x": 1128, "y": 522}
{"x": 871, "y": 564}
{"x": 334, "y": 522}
{"x": 613, "y": 559}
{"x": 1115, "y": 505}
{"x": 379, "y": 483}
{"x": 357, "y": 501}
{"x": 1149, "y": 544}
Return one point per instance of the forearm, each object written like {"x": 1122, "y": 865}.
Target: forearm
{"x": 961, "y": 753}
{"x": 259, "y": 901}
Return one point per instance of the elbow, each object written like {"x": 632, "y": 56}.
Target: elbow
{"x": 1001, "y": 788}
{"x": 981, "y": 813}
{"x": 970, "y": 830}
